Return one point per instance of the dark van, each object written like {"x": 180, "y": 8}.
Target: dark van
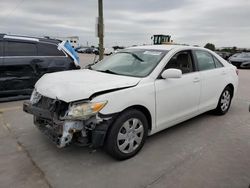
{"x": 23, "y": 60}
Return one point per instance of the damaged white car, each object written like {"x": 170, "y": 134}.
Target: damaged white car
{"x": 134, "y": 93}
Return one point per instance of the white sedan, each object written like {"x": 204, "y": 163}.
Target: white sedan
{"x": 130, "y": 95}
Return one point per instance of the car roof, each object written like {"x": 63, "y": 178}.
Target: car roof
{"x": 166, "y": 47}
{"x": 30, "y": 38}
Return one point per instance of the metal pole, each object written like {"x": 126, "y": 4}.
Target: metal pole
{"x": 100, "y": 29}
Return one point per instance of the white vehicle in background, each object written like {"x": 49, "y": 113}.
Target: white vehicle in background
{"x": 130, "y": 95}
{"x": 108, "y": 51}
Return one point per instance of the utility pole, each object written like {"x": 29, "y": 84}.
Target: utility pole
{"x": 100, "y": 29}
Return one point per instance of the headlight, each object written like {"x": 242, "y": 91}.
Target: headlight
{"x": 85, "y": 110}
{"x": 35, "y": 97}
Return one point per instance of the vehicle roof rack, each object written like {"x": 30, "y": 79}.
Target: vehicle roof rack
{"x": 30, "y": 38}
{"x": 20, "y": 38}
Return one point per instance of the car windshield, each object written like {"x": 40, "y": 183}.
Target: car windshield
{"x": 132, "y": 62}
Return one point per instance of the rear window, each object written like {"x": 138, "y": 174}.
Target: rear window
{"x": 45, "y": 49}
{"x": 205, "y": 60}
{"x": 218, "y": 64}
{"x": 20, "y": 49}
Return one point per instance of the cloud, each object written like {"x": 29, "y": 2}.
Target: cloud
{"x": 224, "y": 23}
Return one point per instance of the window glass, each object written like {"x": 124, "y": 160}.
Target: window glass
{"x": 182, "y": 61}
{"x": 205, "y": 60}
{"x": 20, "y": 49}
{"x": 218, "y": 63}
{"x": 45, "y": 49}
{"x": 131, "y": 62}
{"x": 1, "y": 48}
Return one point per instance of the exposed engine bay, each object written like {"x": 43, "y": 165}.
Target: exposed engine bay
{"x": 50, "y": 116}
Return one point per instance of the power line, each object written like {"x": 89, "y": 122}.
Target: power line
{"x": 15, "y": 8}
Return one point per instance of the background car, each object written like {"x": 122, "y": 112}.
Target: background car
{"x": 23, "y": 60}
{"x": 241, "y": 60}
{"x": 108, "y": 51}
{"x": 224, "y": 55}
{"x": 81, "y": 50}
{"x": 88, "y": 50}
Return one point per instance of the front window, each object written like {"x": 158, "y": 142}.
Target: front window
{"x": 183, "y": 61}
{"x": 133, "y": 62}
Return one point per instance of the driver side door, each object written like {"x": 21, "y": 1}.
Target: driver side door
{"x": 177, "y": 99}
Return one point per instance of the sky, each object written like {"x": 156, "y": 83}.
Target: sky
{"x": 132, "y": 22}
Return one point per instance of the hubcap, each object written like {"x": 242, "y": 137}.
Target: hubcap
{"x": 225, "y": 100}
{"x": 130, "y": 135}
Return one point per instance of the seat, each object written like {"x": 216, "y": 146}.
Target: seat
{"x": 184, "y": 63}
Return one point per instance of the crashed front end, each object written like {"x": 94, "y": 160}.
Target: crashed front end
{"x": 64, "y": 123}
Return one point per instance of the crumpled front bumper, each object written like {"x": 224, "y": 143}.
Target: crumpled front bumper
{"x": 61, "y": 132}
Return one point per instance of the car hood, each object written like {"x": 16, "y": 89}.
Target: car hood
{"x": 77, "y": 85}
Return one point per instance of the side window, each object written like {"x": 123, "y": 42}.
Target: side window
{"x": 1, "y": 48}
{"x": 205, "y": 60}
{"x": 45, "y": 49}
{"x": 182, "y": 61}
{"x": 20, "y": 49}
{"x": 218, "y": 64}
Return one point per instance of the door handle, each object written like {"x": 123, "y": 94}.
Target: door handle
{"x": 196, "y": 80}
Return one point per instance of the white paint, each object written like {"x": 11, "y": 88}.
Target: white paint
{"x": 169, "y": 101}
{"x": 76, "y": 85}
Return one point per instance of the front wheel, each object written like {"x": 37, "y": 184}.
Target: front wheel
{"x": 224, "y": 101}
{"x": 127, "y": 135}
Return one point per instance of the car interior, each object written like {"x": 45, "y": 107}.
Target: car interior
{"x": 182, "y": 61}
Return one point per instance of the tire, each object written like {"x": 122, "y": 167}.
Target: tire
{"x": 127, "y": 135}
{"x": 224, "y": 102}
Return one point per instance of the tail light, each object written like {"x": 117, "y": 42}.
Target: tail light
{"x": 237, "y": 71}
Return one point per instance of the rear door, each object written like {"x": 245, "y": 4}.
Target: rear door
{"x": 213, "y": 76}
{"x": 51, "y": 59}
{"x": 19, "y": 71}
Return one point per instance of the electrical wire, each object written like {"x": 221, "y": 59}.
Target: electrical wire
{"x": 15, "y": 8}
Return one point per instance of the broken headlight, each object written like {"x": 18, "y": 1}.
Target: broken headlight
{"x": 84, "y": 110}
{"x": 35, "y": 97}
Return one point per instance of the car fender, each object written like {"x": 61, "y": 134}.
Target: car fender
{"x": 142, "y": 95}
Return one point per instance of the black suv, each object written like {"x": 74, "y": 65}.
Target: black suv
{"x": 23, "y": 60}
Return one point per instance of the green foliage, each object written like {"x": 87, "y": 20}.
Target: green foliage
{"x": 210, "y": 46}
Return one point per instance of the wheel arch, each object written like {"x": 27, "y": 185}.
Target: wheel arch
{"x": 145, "y": 111}
{"x": 231, "y": 87}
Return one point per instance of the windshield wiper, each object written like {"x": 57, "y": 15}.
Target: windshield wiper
{"x": 107, "y": 71}
{"x": 134, "y": 55}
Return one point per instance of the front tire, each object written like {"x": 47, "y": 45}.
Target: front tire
{"x": 224, "y": 102}
{"x": 127, "y": 135}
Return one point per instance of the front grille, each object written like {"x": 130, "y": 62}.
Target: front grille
{"x": 52, "y": 105}
{"x": 45, "y": 103}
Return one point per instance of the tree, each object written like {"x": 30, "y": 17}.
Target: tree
{"x": 210, "y": 46}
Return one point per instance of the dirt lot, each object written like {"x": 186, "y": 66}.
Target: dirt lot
{"x": 207, "y": 151}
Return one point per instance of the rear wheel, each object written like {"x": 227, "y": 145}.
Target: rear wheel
{"x": 127, "y": 135}
{"x": 224, "y": 101}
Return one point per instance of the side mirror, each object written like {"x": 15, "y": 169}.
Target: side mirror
{"x": 171, "y": 73}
